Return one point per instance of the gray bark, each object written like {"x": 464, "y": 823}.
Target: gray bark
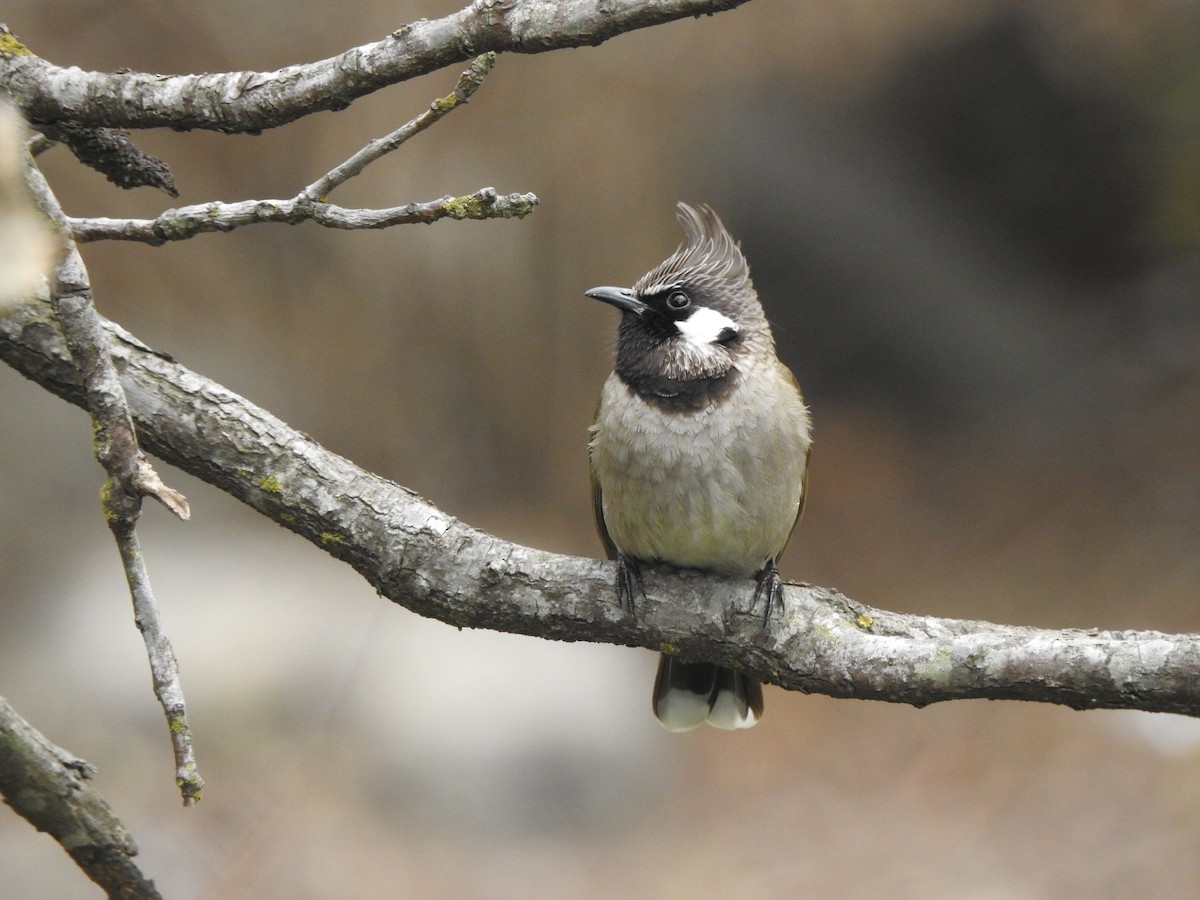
{"x": 418, "y": 556}
{"x": 49, "y": 788}
{"x": 237, "y": 102}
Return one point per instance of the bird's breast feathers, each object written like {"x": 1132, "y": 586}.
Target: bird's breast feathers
{"x": 717, "y": 488}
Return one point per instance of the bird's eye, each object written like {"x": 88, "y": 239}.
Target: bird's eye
{"x": 677, "y": 299}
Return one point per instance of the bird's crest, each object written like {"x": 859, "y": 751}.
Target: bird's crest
{"x": 709, "y": 256}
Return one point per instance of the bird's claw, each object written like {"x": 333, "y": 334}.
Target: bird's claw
{"x": 629, "y": 582}
{"x": 769, "y": 589}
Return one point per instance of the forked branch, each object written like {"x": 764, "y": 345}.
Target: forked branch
{"x": 311, "y": 204}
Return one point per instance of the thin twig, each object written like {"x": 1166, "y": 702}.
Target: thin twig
{"x": 310, "y": 204}
{"x": 48, "y": 787}
{"x": 468, "y": 83}
{"x": 164, "y": 670}
{"x": 130, "y": 475}
{"x": 189, "y": 221}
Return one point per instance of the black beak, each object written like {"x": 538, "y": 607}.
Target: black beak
{"x": 622, "y": 298}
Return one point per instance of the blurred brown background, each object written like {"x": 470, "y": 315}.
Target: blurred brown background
{"x": 976, "y": 226}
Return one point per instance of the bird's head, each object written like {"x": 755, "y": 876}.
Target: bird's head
{"x": 691, "y": 317}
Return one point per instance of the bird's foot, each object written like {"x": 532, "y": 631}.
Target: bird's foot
{"x": 770, "y": 590}
{"x": 629, "y": 581}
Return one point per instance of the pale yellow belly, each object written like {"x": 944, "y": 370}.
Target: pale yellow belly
{"x": 696, "y": 490}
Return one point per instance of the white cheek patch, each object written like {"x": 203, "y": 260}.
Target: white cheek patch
{"x": 706, "y": 326}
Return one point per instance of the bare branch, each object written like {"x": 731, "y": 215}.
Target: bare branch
{"x": 49, "y": 788}
{"x": 468, "y": 84}
{"x": 71, "y": 297}
{"x": 130, "y": 475}
{"x": 426, "y": 560}
{"x": 238, "y": 102}
{"x": 164, "y": 669}
{"x": 189, "y": 221}
{"x": 310, "y": 204}
{"x": 114, "y": 439}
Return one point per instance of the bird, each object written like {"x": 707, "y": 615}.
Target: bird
{"x": 699, "y": 450}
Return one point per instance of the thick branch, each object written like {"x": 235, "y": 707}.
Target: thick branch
{"x": 435, "y": 565}
{"x": 253, "y": 101}
{"x": 47, "y": 786}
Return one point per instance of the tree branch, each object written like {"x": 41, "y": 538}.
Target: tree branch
{"x": 468, "y": 83}
{"x": 48, "y": 787}
{"x": 238, "y": 102}
{"x": 426, "y": 560}
{"x": 189, "y": 221}
{"x": 130, "y": 474}
{"x": 310, "y": 204}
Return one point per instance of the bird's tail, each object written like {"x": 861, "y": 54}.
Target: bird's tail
{"x": 686, "y": 694}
